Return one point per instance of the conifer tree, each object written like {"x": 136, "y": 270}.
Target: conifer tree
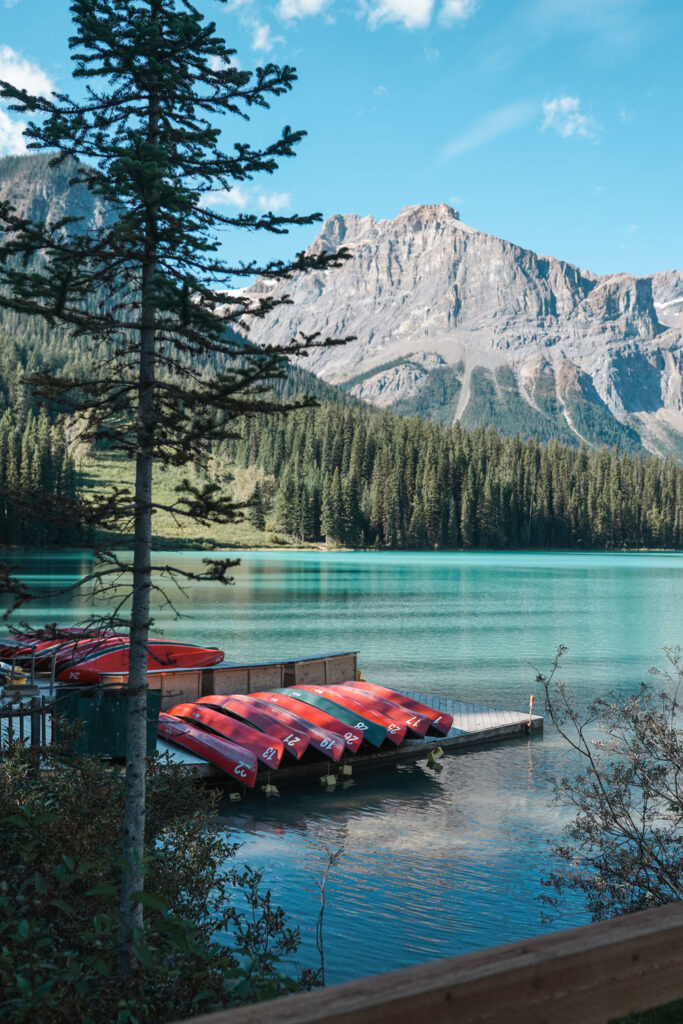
{"x": 141, "y": 289}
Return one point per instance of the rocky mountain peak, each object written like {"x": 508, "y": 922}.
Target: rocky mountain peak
{"x": 503, "y": 327}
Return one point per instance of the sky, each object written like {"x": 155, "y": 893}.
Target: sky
{"x": 555, "y": 124}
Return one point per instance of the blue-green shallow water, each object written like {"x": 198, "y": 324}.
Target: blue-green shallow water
{"x": 438, "y": 861}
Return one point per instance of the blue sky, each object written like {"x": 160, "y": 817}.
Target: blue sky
{"x": 553, "y": 123}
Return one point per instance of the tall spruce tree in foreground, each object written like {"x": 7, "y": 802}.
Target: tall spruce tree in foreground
{"x": 145, "y": 139}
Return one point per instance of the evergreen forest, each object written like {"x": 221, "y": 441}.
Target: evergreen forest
{"x": 349, "y": 475}
{"x": 362, "y": 478}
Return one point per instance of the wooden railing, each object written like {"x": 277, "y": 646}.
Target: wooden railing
{"x": 586, "y": 975}
{"x": 25, "y": 721}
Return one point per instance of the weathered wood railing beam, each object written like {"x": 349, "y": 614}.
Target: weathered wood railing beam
{"x": 585, "y": 975}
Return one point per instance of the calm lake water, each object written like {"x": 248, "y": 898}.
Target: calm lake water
{"x": 437, "y": 861}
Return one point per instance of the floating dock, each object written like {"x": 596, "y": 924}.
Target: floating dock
{"x": 473, "y": 725}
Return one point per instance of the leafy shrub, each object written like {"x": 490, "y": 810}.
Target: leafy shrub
{"x": 60, "y": 826}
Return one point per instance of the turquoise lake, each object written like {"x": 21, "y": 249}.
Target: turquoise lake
{"x": 437, "y": 861}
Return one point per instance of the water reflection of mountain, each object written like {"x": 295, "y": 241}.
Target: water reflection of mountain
{"x": 434, "y": 863}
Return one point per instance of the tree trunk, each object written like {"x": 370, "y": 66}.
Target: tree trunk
{"x": 132, "y": 881}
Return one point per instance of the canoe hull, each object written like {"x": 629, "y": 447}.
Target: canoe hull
{"x": 331, "y": 744}
{"x": 235, "y": 761}
{"x": 161, "y": 656}
{"x": 440, "y": 721}
{"x": 268, "y": 749}
{"x": 395, "y": 731}
{"x": 374, "y": 734}
{"x": 414, "y": 723}
{"x": 352, "y": 738}
{"x": 295, "y": 741}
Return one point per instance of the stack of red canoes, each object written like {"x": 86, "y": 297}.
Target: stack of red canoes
{"x": 236, "y": 732}
{"x": 82, "y": 656}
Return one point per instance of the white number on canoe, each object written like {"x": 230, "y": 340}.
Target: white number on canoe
{"x": 241, "y": 770}
{"x": 351, "y": 736}
{"x": 269, "y": 753}
{"x": 326, "y": 744}
{"x": 413, "y": 720}
{"x": 362, "y": 726}
{"x": 292, "y": 740}
{"x": 393, "y": 728}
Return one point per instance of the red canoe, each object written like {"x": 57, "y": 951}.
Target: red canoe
{"x": 328, "y": 743}
{"x": 268, "y": 749}
{"x": 440, "y": 721}
{"x": 24, "y": 644}
{"x": 295, "y": 741}
{"x": 232, "y": 759}
{"x": 418, "y": 724}
{"x": 352, "y": 737}
{"x": 346, "y": 699}
{"x": 162, "y": 654}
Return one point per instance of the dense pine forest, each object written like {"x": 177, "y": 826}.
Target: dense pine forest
{"x": 353, "y": 476}
{"x": 356, "y": 477}
{"x": 35, "y": 467}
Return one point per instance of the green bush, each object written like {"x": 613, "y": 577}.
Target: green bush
{"x": 60, "y": 826}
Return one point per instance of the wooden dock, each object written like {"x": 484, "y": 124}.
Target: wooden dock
{"x": 473, "y": 724}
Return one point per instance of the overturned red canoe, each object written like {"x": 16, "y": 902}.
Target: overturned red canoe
{"x": 267, "y": 748}
{"x": 70, "y": 654}
{"x": 440, "y": 721}
{"x": 331, "y": 744}
{"x": 372, "y": 733}
{"x": 161, "y": 655}
{"x": 346, "y": 699}
{"x": 417, "y": 724}
{"x": 352, "y": 737}
{"x": 295, "y": 741}
{"x": 25, "y": 644}
{"x": 232, "y": 759}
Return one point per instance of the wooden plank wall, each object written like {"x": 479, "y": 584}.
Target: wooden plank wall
{"x": 585, "y": 975}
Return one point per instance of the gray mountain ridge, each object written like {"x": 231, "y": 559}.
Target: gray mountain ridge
{"x": 454, "y": 323}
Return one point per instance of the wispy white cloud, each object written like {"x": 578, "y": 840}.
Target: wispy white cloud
{"x": 410, "y": 13}
{"x": 380, "y": 90}
{"x": 489, "y": 127}
{"x": 262, "y": 41}
{"x": 11, "y": 136}
{"x": 457, "y": 10}
{"x": 23, "y": 74}
{"x": 300, "y": 8}
{"x": 275, "y": 202}
{"x": 241, "y": 198}
{"x": 11, "y": 3}
{"x": 563, "y": 115}
{"x": 236, "y": 196}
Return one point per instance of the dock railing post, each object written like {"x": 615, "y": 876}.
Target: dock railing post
{"x": 53, "y": 663}
{"x": 35, "y": 721}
